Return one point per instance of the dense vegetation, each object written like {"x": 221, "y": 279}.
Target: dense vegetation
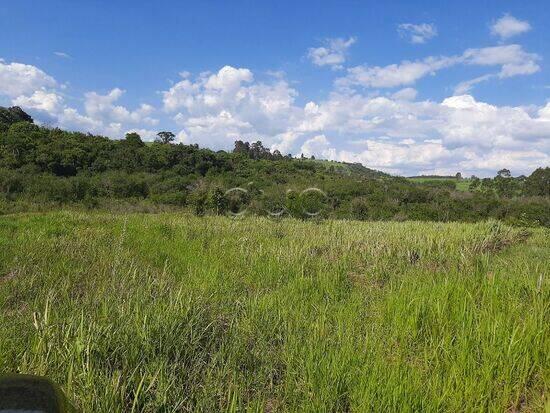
{"x": 172, "y": 312}
{"x": 42, "y": 168}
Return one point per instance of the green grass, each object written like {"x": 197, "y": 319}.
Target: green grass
{"x": 460, "y": 185}
{"x": 170, "y": 312}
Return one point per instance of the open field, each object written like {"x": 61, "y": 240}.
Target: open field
{"x": 460, "y": 185}
{"x": 173, "y": 312}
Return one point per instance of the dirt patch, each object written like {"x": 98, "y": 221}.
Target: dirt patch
{"x": 364, "y": 280}
{"x": 497, "y": 243}
{"x": 9, "y": 276}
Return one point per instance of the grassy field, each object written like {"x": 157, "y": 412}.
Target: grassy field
{"x": 460, "y": 185}
{"x": 169, "y": 312}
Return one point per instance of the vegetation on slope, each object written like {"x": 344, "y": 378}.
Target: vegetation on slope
{"x": 42, "y": 168}
{"x": 173, "y": 312}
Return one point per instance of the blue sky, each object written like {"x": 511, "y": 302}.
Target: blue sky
{"x": 408, "y": 87}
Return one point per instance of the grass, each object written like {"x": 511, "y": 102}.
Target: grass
{"x": 169, "y": 312}
{"x": 460, "y": 185}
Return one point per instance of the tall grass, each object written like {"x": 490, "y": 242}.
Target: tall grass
{"x": 177, "y": 313}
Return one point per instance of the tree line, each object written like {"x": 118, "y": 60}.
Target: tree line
{"x": 44, "y": 167}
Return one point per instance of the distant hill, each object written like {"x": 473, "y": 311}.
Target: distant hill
{"x": 432, "y": 177}
{"x": 349, "y": 169}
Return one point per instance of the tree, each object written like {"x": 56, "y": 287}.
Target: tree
{"x": 12, "y": 115}
{"x": 505, "y": 185}
{"x": 458, "y": 176}
{"x": 538, "y": 183}
{"x": 242, "y": 147}
{"x": 475, "y": 182}
{"x": 198, "y": 201}
{"x": 258, "y": 151}
{"x": 165, "y": 137}
{"x": 218, "y": 201}
{"x": 504, "y": 173}
{"x": 133, "y": 139}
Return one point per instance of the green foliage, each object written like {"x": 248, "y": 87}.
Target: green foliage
{"x": 9, "y": 116}
{"x": 538, "y": 183}
{"x": 51, "y": 167}
{"x": 217, "y": 201}
{"x": 165, "y": 137}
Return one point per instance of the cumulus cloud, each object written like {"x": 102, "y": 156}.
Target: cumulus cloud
{"x": 217, "y": 108}
{"x": 508, "y": 26}
{"x": 103, "y": 107}
{"x": 39, "y": 93}
{"x": 318, "y": 146}
{"x": 398, "y": 136}
{"x": 220, "y": 130}
{"x": 146, "y": 134}
{"x": 40, "y": 100}
{"x": 417, "y": 33}
{"x": 396, "y": 133}
{"x": 333, "y": 53}
{"x": 17, "y": 79}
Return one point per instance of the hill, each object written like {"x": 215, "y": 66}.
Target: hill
{"x": 462, "y": 184}
{"x": 43, "y": 168}
{"x": 346, "y": 168}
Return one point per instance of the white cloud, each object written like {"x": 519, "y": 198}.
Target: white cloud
{"x": 39, "y": 93}
{"x": 182, "y": 137}
{"x": 508, "y": 26}
{"x": 404, "y": 137}
{"x": 62, "y": 54}
{"x": 466, "y": 86}
{"x": 103, "y": 107}
{"x": 395, "y": 133}
{"x": 333, "y": 53}
{"x": 404, "y": 73}
{"x": 71, "y": 119}
{"x": 40, "y": 100}
{"x": 18, "y": 79}
{"x": 229, "y": 104}
{"x": 145, "y": 134}
{"x": 381, "y": 154}
{"x": 405, "y": 94}
{"x": 544, "y": 112}
{"x": 318, "y": 146}
{"x": 512, "y": 59}
{"x": 417, "y": 33}
{"x": 218, "y": 131}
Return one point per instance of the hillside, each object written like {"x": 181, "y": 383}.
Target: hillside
{"x": 44, "y": 168}
{"x": 350, "y": 169}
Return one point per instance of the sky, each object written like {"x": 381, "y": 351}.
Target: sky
{"x": 409, "y": 88}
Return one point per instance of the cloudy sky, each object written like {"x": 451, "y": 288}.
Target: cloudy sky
{"x": 413, "y": 87}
